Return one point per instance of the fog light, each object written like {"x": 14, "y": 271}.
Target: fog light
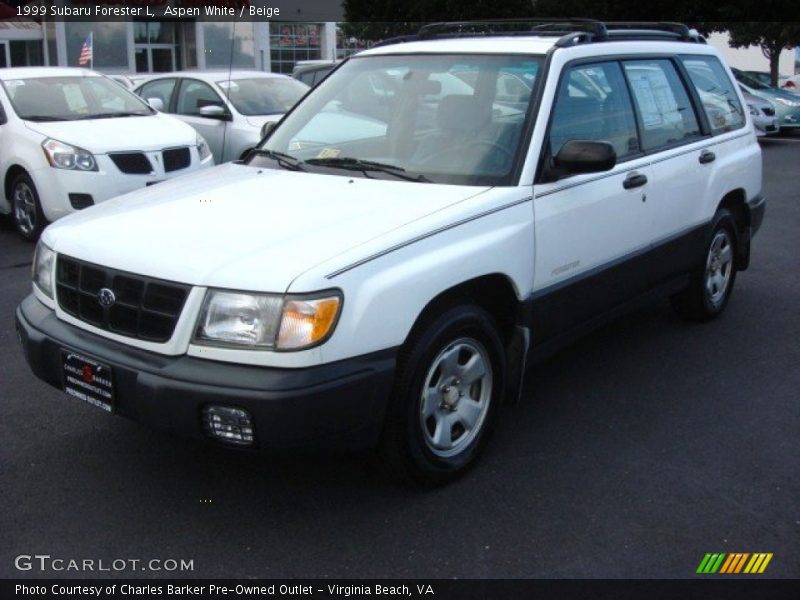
{"x": 227, "y": 424}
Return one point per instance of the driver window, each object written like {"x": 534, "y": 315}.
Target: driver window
{"x": 593, "y": 104}
{"x": 194, "y": 95}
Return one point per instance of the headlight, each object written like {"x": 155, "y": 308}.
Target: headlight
{"x": 64, "y": 156}
{"x": 44, "y": 260}
{"x": 753, "y": 110}
{"x": 263, "y": 321}
{"x": 787, "y": 102}
{"x": 202, "y": 147}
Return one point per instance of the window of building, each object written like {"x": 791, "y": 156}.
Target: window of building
{"x": 291, "y": 43}
{"x": 156, "y": 47}
{"x": 229, "y": 44}
{"x": 110, "y": 51}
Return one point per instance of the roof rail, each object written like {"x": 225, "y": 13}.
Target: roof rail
{"x": 570, "y": 32}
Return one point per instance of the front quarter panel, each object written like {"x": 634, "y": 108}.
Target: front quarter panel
{"x": 387, "y": 288}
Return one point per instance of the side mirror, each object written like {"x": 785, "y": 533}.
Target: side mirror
{"x": 578, "y": 156}
{"x": 156, "y": 103}
{"x": 267, "y": 128}
{"x": 214, "y": 111}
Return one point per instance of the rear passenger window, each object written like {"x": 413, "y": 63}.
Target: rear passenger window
{"x": 593, "y": 104}
{"x": 666, "y": 113}
{"x": 716, "y": 91}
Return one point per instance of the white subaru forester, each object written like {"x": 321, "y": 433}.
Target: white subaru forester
{"x": 426, "y": 222}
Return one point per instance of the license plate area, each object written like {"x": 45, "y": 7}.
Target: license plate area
{"x": 88, "y": 380}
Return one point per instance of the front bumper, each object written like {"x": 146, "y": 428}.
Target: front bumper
{"x": 339, "y": 405}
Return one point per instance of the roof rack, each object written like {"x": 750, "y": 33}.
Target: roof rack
{"x": 570, "y": 32}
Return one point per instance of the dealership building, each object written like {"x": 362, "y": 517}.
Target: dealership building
{"x": 307, "y": 31}
{"x": 304, "y": 30}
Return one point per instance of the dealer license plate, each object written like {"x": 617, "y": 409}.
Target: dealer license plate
{"x": 88, "y": 380}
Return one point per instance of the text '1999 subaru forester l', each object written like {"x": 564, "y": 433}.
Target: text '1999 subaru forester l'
{"x": 432, "y": 217}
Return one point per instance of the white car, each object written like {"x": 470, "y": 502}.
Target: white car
{"x": 387, "y": 287}
{"x": 229, "y": 109}
{"x": 72, "y": 138}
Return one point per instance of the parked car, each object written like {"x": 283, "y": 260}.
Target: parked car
{"x": 387, "y": 287}
{"x": 229, "y": 109}
{"x": 129, "y": 81}
{"x": 71, "y": 138}
{"x": 762, "y": 112}
{"x": 787, "y": 105}
{"x": 784, "y": 82}
{"x": 311, "y": 72}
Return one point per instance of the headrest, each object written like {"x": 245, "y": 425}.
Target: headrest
{"x": 461, "y": 113}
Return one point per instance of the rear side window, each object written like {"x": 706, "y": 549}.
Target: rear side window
{"x": 161, "y": 89}
{"x": 666, "y": 113}
{"x": 716, "y": 92}
{"x": 593, "y": 104}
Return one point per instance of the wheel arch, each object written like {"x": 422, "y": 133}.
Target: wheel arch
{"x": 495, "y": 293}
{"x": 13, "y": 171}
{"x": 735, "y": 202}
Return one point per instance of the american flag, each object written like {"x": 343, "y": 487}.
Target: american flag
{"x": 86, "y": 52}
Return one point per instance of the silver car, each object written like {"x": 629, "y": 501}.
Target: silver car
{"x": 228, "y": 108}
{"x": 763, "y": 113}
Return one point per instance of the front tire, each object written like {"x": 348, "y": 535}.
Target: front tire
{"x": 711, "y": 284}
{"x": 26, "y": 208}
{"x": 447, "y": 393}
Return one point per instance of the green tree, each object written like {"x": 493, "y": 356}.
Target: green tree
{"x": 772, "y": 36}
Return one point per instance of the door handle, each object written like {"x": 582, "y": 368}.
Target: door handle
{"x": 634, "y": 180}
{"x": 706, "y": 156}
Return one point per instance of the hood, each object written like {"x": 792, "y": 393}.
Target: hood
{"x": 241, "y": 227}
{"x": 100, "y": 136}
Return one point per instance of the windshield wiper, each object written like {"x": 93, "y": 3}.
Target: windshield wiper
{"x": 287, "y": 161}
{"x": 110, "y": 115}
{"x": 357, "y": 164}
{"x": 40, "y": 118}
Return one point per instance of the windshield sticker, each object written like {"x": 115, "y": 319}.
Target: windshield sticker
{"x": 329, "y": 153}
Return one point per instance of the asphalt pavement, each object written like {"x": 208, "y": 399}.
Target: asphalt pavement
{"x": 636, "y": 451}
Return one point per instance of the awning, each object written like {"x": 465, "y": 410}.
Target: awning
{"x": 20, "y": 29}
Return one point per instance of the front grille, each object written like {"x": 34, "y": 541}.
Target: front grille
{"x": 769, "y": 111}
{"x": 133, "y": 163}
{"x": 145, "y": 308}
{"x": 176, "y": 159}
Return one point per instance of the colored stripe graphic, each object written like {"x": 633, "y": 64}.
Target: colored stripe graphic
{"x": 758, "y": 563}
{"x": 719, "y": 562}
{"x": 711, "y": 563}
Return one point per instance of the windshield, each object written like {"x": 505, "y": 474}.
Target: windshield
{"x": 750, "y": 81}
{"x": 446, "y": 118}
{"x": 72, "y": 98}
{"x": 263, "y": 95}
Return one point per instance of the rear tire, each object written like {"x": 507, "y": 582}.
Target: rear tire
{"x": 711, "y": 284}
{"x": 26, "y": 209}
{"x": 447, "y": 393}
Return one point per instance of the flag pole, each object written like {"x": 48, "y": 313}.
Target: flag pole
{"x": 91, "y": 47}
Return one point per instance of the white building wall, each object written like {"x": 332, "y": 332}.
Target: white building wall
{"x": 750, "y": 59}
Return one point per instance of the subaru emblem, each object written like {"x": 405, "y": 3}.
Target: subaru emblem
{"x": 106, "y": 297}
